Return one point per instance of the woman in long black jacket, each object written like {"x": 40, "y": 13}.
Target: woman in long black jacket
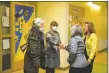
{"x": 35, "y": 47}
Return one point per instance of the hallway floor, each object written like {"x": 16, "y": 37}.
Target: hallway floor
{"x": 100, "y": 65}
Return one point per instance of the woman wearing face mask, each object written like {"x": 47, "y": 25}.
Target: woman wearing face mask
{"x": 91, "y": 44}
{"x": 53, "y": 43}
{"x": 35, "y": 47}
{"x": 76, "y": 47}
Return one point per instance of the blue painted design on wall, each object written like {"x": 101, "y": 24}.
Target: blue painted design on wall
{"x": 25, "y": 12}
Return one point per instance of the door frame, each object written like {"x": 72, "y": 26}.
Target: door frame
{"x": 19, "y": 65}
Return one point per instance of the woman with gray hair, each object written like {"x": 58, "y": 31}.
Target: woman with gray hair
{"x": 76, "y": 49}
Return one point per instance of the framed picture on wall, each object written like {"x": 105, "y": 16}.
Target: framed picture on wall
{"x": 6, "y": 43}
{"x": 5, "y": 21}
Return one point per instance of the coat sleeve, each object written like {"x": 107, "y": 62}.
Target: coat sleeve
{"x": 93, "y": 46}
{"x": 72, "y": 48}
{"x": 59, "y": 39}
{"x": 34, "y": 48}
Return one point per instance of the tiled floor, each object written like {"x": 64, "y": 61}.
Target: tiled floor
{"x": 100, "y": 65}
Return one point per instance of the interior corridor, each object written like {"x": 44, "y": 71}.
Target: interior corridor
{"x": 17, "y": 18}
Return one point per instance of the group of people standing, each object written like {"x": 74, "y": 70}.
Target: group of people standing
{"x": 82, "y": 51}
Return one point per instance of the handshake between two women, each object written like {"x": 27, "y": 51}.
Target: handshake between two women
{"x": 61, "y": 46}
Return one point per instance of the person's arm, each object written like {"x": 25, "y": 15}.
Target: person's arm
{"x": 59, "y": 39}
{"x": 72, "y": 49}
{"x": 61, "y": 45}
{"x": 93, "y": 46}
{"x": 34, "y": 47}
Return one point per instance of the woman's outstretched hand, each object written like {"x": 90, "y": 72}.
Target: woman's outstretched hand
{"x": 61, "y": 46}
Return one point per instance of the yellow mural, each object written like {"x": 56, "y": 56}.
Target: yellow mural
{"x": 24, "y": 15}
{"x": 26, "y": 28}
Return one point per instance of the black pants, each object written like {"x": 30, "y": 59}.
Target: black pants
{"x": 90, "y": 66}
{"x": 50, "y": 70}
{"x": 77, "y": 70}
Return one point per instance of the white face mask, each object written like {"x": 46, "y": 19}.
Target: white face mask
{"x": 42, "y": 29}
{"x": 54, "y": 28}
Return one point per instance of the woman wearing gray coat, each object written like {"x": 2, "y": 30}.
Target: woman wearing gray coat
{"x": 76, "y": 49}
{"x": 52, "y": 58}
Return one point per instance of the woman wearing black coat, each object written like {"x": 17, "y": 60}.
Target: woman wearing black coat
{"x": 35, "y": 45}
